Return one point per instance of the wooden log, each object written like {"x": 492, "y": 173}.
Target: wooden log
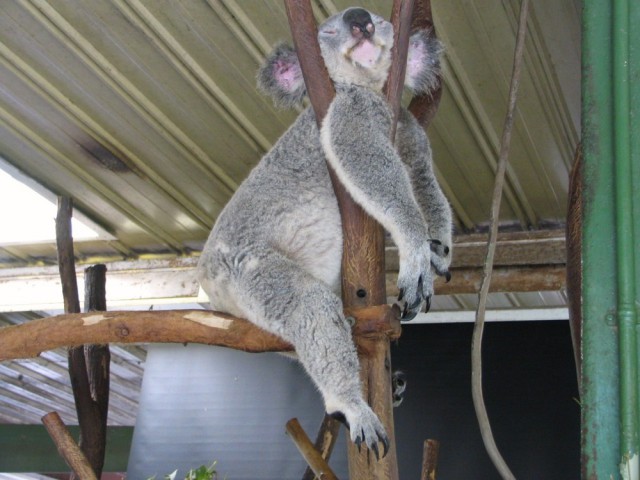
{"x": 168, "y": 326}
{"x": 430, "y": 452}
{"x": 67, "y": 447}
{"x": 504, "y": 279}
{"x": 91, "y": 390}
{"x": 542, "y": 247}
{"x": 325, "y": 441}
{"x": 75, "y": 356}
{"x": 66, "y": 259}
{"x": 304, "y": 33}
{"x": 313, "y": 458}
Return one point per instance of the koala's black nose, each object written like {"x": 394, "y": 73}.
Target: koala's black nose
{"x": 360, "y": 23}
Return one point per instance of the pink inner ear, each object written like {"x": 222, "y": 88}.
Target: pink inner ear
{"x": 286, "y": 75}
{"x": 416, "y": 59}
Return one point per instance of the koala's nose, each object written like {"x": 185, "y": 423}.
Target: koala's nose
{"x": 360, "y": 23}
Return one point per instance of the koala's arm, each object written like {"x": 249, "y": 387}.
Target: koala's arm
{"x": 415, "y": 151}
{"x": 355, "y": 139}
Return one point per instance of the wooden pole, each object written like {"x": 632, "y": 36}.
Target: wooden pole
{"x": 313, "y": 458}
{"x": 67, "y": 447}
{"x": 430, "y": 452}
{"x": 325, "y": 441}
{"x": 167, "y": 326}
{"x": 92, "y": 392}
{"x": 88, "y": 368}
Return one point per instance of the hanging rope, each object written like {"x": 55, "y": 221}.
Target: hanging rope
{"x": 476, "y": 348}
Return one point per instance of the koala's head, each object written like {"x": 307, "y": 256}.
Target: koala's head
{"x": 356, "y": 48}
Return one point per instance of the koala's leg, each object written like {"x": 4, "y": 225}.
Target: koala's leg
{"x": 415, "y": 151}
{"x": 276, "y": 294}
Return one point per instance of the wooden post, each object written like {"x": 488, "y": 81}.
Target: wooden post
{"x": 430, "y": 452}
{"x": 92, "y": 398}
{"x": 313, "y": 458}
{"x": 325, "y": 441}
{"x": 67, "y": 447}
{"x": 88, "y": 370}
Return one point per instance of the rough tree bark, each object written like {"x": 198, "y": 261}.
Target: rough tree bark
{"x": 168, "y": 326}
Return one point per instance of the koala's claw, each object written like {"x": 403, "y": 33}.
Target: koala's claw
{"x": 374, "y": 445}
{"x": 369, "y": 430}
{"x": 358, "y": 441}
{"x": 427, "y": 304}
{"x": 410, "y": 311}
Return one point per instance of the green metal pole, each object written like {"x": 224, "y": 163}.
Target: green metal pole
{"x": 626, "y": 314}
{"x": 600, "y": 396}
{"x": 611, "y": 336}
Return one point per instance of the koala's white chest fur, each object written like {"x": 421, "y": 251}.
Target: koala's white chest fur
{"x": 311, "y": 235}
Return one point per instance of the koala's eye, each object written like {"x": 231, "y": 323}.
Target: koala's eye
{"x": 328, "y": 32}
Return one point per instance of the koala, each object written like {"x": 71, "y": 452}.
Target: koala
{"x": 274, "y": 254}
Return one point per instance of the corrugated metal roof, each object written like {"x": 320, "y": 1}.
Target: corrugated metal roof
{"x": 147, "y": 115}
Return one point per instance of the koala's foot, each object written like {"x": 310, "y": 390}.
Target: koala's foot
{"x": 440, "y": 258}
{"x": 398, "y": 385}
{"x": 364, "y": 426}
{"x": 415, "y": 282}
{"x": 410, "y": 310}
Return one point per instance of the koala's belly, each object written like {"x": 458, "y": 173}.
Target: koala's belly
{"x": 311, "y": 235}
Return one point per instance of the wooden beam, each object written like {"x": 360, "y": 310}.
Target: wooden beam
{"x": 314, "y": 459}
{"x": 504, "y": 279}
{"x": 541, "y": 248}
{"x": 172, "y": 281}
{"x": 91, "y": 391}
{"x": 169, "y": 326}
{"x": 67, "y": 447}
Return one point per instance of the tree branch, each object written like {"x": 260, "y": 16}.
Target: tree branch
{"x": 67, "y": 447}
{"x": 313, "y": 458}
{"x": 169, "y": 326}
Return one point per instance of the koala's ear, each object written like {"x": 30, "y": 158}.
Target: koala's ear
{"x": 281, "y": 77}
{"x": 423, "y": 62}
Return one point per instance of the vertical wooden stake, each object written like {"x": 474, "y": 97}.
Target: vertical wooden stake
{"x": 88, "y": 370}
{"x": 67, "y": 447}
{"x": 92, "y": 402}
{"x": 325, "y": 441}
{"x": 313, "y": 458}
{"x": 430, "y": 453}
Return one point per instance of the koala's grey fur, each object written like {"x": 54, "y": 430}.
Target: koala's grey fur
{"x": 274, "y": 255}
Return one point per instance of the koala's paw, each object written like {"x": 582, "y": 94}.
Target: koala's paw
{"x": 398, "y": 384}
{"x": 415, "y": 283}
{"x": 364, "y": 427}
{"x": 440, "y": 258}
